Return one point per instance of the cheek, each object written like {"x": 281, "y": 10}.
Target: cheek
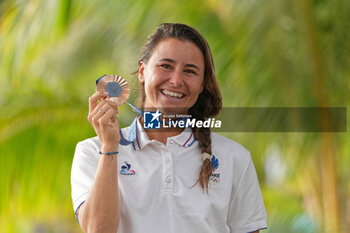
{"x": 150, "y": 89}
{"x": 197, "y": 86}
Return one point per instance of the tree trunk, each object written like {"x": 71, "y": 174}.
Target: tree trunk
{"x": 309, "y": 40}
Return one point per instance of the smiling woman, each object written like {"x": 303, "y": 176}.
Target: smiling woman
{"x": 178, "y": 180}
{"x": 173, "y": 76}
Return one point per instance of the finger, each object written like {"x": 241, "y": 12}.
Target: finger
{"x": 97, "y": 109}
{"x": 113, "y": 105}
{"x": 100, "y": 109}
{"x": 94, "y": 120}
{"x": 94, "y": 98}
{"x": 102, "y": 118}
{"x": 109, "y": 127}
{"x": 108, "y": 118}
{"x": 95, "y": 114}
{"x": 104, "y": 105}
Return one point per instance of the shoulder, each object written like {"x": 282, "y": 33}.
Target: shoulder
{"x": 89, "y": 144}
{"x": 86, "y": 155}
{"x": 87, "y": 150}
{"x": 230, "y": 150}
{"x": 222, "y": 143}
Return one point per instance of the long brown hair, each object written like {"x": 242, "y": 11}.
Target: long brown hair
{"x": 209, "y": 101}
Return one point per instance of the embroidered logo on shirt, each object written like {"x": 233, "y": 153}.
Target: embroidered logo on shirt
{"x": 214, "y": 177}
{"x": 215, "y": 163}
{"x": 125, "y": 169}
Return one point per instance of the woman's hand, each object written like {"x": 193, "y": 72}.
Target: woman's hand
{"x": 100, "y": 211}
{"x": 103, "y": 118}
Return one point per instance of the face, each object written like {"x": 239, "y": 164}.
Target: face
{"x": 173, "y": 76}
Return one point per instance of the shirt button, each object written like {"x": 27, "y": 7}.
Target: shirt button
{"x": 168, "y": 179}
{"x": 172, "y": 141}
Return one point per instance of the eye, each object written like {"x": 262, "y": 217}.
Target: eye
{"x": 189, "y": 71}
{"x": 165, "y": 66}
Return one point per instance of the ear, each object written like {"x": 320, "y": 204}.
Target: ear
{"x": 141, "y": 70}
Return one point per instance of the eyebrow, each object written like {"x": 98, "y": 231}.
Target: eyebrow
{"x": 172, "y": 61}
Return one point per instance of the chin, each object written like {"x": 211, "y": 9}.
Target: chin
{"x": 173, "y": 110}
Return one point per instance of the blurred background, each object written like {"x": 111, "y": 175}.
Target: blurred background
{"x": 271, "y": 53}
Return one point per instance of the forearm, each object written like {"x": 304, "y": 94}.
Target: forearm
{"x": 100, "y": 212}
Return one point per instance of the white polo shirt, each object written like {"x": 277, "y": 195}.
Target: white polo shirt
{"x": 157, "y": 191}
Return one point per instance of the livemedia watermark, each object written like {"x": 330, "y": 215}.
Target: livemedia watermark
{"x": 272, "y": 119}
{"x": 153, "y": 120}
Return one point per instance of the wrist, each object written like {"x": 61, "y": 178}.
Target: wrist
{"x": 108, "y": 153}
{"x": 109, "y": 148}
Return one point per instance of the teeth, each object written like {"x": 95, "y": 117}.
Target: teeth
{"x": 173, "y": 94}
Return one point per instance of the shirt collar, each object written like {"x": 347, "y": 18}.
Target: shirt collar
{"x": 185, "y": 138}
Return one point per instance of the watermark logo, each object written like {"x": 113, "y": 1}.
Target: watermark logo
{"x": 151, "y": 120}
{"x": 256, "y": 119}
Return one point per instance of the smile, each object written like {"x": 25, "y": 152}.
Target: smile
{"x": 172, "y": 94}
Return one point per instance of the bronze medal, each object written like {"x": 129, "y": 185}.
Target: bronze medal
{"x": 118, "y": 88}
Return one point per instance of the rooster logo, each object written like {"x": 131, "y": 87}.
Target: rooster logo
{"x": 214, "y": 177}
{"x": 215, "y": 163}
{"x": 125, "y": 169}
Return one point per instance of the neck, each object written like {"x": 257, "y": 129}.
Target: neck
{"x": 161, "y": 135}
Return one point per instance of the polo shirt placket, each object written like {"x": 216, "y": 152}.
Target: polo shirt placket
{"x": 168, "y": 167}
{"x": 168, "y": 152}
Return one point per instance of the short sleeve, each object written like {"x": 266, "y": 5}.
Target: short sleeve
{"x": 83, "y": 171}
{"x": 247, "y": 210}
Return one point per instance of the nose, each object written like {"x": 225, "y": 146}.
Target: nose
{"x": 176, "y": 78}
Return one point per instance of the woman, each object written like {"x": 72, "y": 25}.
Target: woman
{"x": 179, "y": 180}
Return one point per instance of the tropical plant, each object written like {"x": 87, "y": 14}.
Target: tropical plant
{"x": 274, "y": 53}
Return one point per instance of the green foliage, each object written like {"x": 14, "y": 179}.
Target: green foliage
{"x": 267, "y": 54}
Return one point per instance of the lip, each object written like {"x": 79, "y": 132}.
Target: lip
{"x": 169, "y": 90}
{"x": 170, "y": 98}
